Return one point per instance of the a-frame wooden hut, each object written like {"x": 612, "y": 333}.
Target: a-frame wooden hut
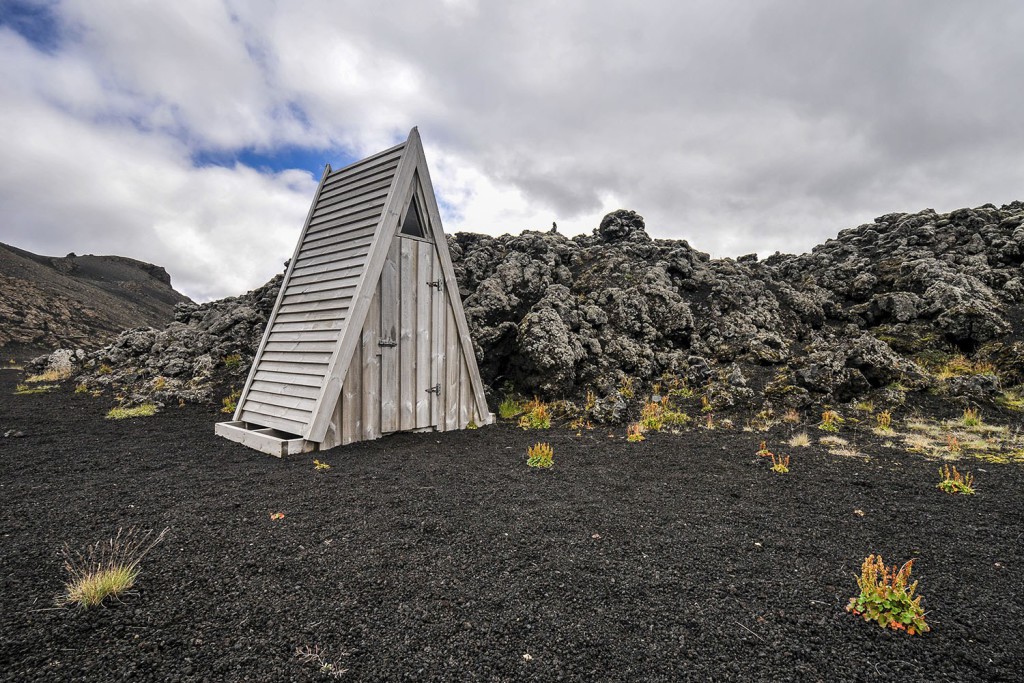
{"x": 368, "y": 336}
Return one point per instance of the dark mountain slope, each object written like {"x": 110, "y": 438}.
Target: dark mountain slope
{"x": 78, "y": 301}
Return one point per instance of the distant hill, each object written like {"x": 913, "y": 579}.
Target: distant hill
{"x": 78, "y": 301}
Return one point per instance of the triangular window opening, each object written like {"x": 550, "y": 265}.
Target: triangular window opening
{"x": 413, "y": 225}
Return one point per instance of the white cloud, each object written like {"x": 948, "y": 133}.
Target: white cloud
{"x": 738, "y": 127}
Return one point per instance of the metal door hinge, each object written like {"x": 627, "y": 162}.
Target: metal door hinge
{"x": 436, "y": 389}
{"x": 387, "y": 342}
{"x": 435, "y": 283}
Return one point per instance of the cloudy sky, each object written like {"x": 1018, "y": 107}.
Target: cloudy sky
{"x": 192, "y": 133}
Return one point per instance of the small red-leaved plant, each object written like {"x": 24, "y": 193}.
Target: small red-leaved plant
{"x": 886, "y": 599}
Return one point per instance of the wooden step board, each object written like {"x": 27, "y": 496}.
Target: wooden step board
{"x": 265, "y": 439}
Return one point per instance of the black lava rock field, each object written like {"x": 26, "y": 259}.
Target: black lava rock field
{"x": 445, "y": 558}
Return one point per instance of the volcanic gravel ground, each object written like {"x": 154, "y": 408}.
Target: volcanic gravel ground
{"x": 444, "y": 557}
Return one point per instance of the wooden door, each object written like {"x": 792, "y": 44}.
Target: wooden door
{"x": 419, "y": 285}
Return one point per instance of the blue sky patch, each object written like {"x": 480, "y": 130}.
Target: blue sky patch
{"x": 34, "y": 21}
{"x": 275, "y": 160}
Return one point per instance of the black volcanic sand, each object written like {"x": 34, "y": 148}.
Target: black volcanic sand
{"x": 443, "y": 557}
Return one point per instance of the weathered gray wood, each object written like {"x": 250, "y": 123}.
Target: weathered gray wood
{"x": 349, "y": 215}
{"x": 275, "y": 421}
{"x": 399, "y": 193}
{"x": 326, "y": 279}
{"x": 301, "y": 346}
{"x": 334, "y": 229}
{"x": 448, "y": 272}
{"x": 366, "y": 206}
{"x": 339, "y": 252}
{"x": 333, "y": 326}
{"x": 280, "y": 295}
{"x": 334, "y": 317}
{"x": 281, "y": 377}
{"x": 389, "y": 330}
{"x": 437, "y": 347}
{"x": 330, "y": 310}
{"x": 274, "y": 410}
{"x": 264, "y": 440}
{"x": 336, "y": 243}
{"x": 407, "y": 341}
{"x": 453, "y": 357}
{"x": 363, "y": 184}
{"x": 371, "y": 369}
{"x": 327, "y": 295}
{"x": 293, "y": 368}
{"x": 356, "y": 197}
{"x": 291, "y": 389}
{"x": 305, "y": 404}
{"x": 321, "y": 358}
{"x": 304, "y": 336}
{"x": 352, "y": 394}
{"x": 465, "y": 397}
{"x": 367, "y": 165}
{"x": 342, "y": 264}
{"x": 424, "y": 275}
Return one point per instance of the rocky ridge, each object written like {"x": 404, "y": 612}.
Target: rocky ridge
{"x": 907, "y": 307}
{"x": 83, "y": 301}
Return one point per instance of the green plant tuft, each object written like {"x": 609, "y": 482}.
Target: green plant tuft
{"x": 510, "y": 408}
{"x": 536, "y": 415}
{"x": 886, "y": 599}
{"x": 955, "y": 482}
{"x": 230, "y": 402}
{"x": 540, "y": 455}
{"x": 121, "y": 413}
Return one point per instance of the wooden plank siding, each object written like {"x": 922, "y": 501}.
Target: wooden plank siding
{"x": 288, "y": 375}
{"x": 368, "y": 335}
{"x": 390, "y": 330}
{"x": 421, "y": 330}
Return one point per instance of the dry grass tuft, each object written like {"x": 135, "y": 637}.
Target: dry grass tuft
{"x": 49, "y": 376}
{"x": 801, "y": 440}
{"x": 106, "y": 569}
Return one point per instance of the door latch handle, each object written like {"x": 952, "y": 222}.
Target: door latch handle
{"x": 387, "y": 342}
{"x": 435, "y": 283}
{"x": 436, "y": 389}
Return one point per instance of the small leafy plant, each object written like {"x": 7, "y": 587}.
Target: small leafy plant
{"x": 536, "y": 415}
{"x": 626, "y": 387}
{"x": 830, "y": 421}
{"x": 159, "y": 383}
{"x": 886, "y": 599}
{"x": 884, "y": 420}
{"x": 105, "y": 569}
{"x": 540, "y": 455}
{"x": 230, "y": 402}
{"x": 635, "y": 433}
{"x": 509, "y": 408}
{"x": 971, "y": 418}
{"x": 321, "y": 466}
{"x": 705, "y": 404}
{"x": 104, "y": 369}
{"x": 953, "y": 444}
{"x": 233, "y": 362}
{"x": 780, "y": 464}
{"x": 122, "y": 413}
{"x": 956, "y": 482}
{"x": 791, "y": 416}
{"x": 763, "y": 450}
{"x": 652, "y": 416}
{"x": 82, "y": 389}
